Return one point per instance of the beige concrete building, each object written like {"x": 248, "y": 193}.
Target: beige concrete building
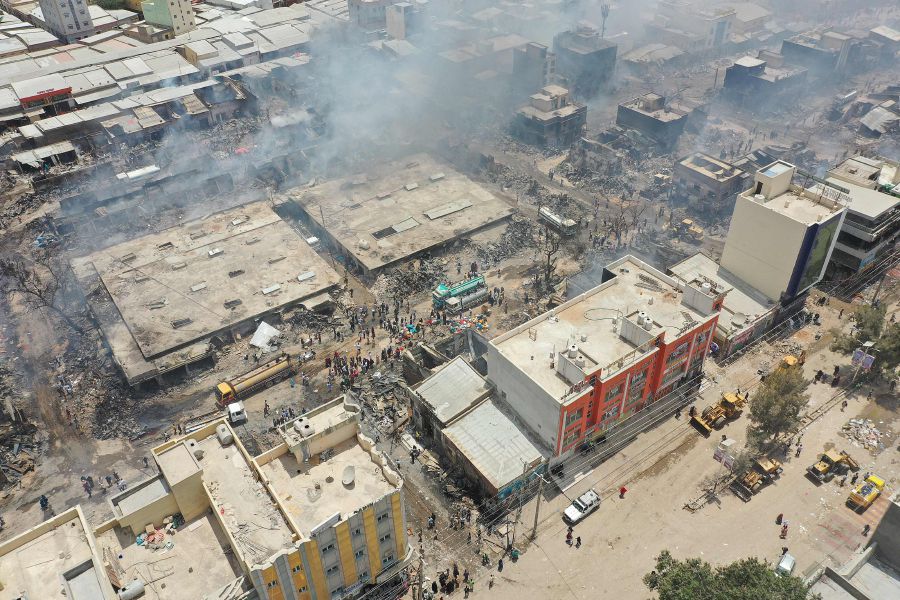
{"x": 319, "y": 516}
{"x": 781, "y": 234}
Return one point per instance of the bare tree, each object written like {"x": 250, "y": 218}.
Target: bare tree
{"x": 549, "y": 245}
{"x": 718, "y": 481}
{"x": 43, "y": 282}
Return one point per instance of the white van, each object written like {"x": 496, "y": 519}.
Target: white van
{"x": 236, "y": 413}
{"x": 785, "y": 565}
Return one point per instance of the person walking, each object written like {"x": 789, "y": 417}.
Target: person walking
{"x": 500, "y": 565}
{"x": 569, "y": 537}
{"x": 799, "y": 450}
{"x": 622, "y": 491}
{"x": 491, "y": 582}
{"x": 854, "y": 478}
{"x": 866, "y": 529}
{"x": 779, "y": 518}
{"x": 578, "y": 542}
{"x": 784, "y": 531}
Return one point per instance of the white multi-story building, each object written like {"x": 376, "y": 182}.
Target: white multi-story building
{"x": 782, "y": 234}
{"x": 69, "y": 20}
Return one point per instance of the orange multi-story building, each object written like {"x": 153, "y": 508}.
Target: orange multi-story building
{"x": 572, "y": 372}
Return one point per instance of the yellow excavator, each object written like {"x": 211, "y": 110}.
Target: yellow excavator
{"x": 730, "y": 406}
{"x": 763, "y": 472}
{"x": 830, "y": 464}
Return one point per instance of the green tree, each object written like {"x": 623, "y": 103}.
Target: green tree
{"x": 871, "y": 326}
{"x": 747, "y": 579}
{"x": 776, "y": 406}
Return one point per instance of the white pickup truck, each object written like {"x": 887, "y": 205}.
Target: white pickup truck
{"x": 236, "y": 413}
{"x": 584, "y": 505}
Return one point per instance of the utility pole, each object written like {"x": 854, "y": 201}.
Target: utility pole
{"x": 421, "y": 577}
{"x": 519, "y": 509}
{"x": 537, "y": 508}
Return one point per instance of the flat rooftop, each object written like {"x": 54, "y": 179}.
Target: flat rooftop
{"x": 196, "y": 565}
{"x": 711, "y": 167}
{"x": 313, "y": 492}
{"x": 801, "y": 205}
{"x": 874, "y": 579}
{"x": 453, "y": 389}
{"x": 864, "y": 201}
{"x": 493, "y": 443}
{"x": 183, "y": 285}
{"x": 399, "y": 209}
{"x": 249, "y": 513}
{"x": 665, "y": 114}
{"x": 588, "y": 321}
{"x": 36, "y": 569}
{"x": 743, "y": 303}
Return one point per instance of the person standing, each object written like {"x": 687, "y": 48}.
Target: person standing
{"x": 622, "y": 491}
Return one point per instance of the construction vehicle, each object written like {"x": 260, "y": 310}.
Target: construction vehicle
{"x": 830, "y": 464}
{"x": 763, "y": 472}
{"x": 563, "y": 226}
{"x": 794, "y": 361}
{"x": 457, "y": 297}
{"x": 250, "y": 382}
{"x": 866, "y": 493}
{"x": 729, "y": 407}
{"x": 687, "y": 228}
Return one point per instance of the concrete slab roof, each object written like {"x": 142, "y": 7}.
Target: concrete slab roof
{"x": 493, "y": 443}
{"x": 177, "y": 286}
{"x": 246, "y": 509}
{"x": 312, "y": 492}
{"x": 743, "y": 303}
{"x": 200, "y": 561}
{"x": 453, "y": 389}
{"x": 710, "y": 166}
{"x": 866, "y": 202}
{"x": 589, "y": 321}
{"x": 361, "y": 211}
{"x": 48, "y": 565}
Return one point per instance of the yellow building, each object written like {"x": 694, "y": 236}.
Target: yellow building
{"x": 320, "y": 516}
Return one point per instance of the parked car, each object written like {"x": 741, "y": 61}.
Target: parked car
{"x": 584, "y": 505}
{"x": 785, "y": 565}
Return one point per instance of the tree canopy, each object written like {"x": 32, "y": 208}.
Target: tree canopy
{"x": 746, "y": 579}
{"x": 776, "y": 406}
{"x": 871, "y": 326}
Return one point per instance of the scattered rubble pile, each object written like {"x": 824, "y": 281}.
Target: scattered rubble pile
{"x": 862, "y": 432}
{"x": 312, "y": 321}
{"x": 18, "y": 447}
{"x": 518, "y": 236}
{"x": 383, "y": 398}
{"x": 404, "y": 282}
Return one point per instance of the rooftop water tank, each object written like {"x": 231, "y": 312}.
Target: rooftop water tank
{"x": 706, "y": 288}
{"x": 573, "y": 351}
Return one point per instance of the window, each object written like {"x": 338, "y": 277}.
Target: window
{"x": 327, "y": 548}
{"x": 331, "y": 570}
{"x": 272, "y": 584}
{"x": 574, "y": 416}
{"x": 363, "y": 575}
{"x": 382, "y": 517}
{"x": 359, "y": 553}
{"x": 613, "y": 392}
{"x": 357, "y": 531}
{"x": 296, "y": 569}
{"x": 388, "y": 559}
{"x": 612, "y": 413}
{"x": 301, "y": 589}
{"x": 571, "y": 437}
{"x": 385, "y": 537}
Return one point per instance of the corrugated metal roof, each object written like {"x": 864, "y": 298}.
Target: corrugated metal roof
{"x": 453, "y": 389}
{"x": 493, "y": 443}
{"x": 447, "y": 209}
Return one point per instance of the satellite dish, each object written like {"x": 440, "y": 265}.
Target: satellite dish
{"x": 349, "y": 476}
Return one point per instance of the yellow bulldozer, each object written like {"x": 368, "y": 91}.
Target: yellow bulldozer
{"x": 686, "y": 228}
{"x": 730, "y": 406}
{"x": 830, "y": 464}
{"x": 763, "y": 472}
